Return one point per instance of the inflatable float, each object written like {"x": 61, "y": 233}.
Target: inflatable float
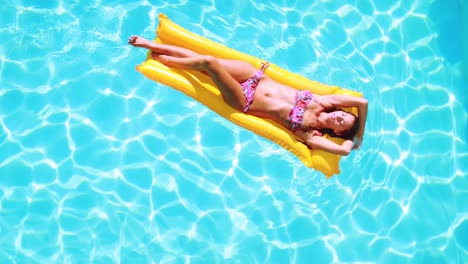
{"x": 200, "y": 87}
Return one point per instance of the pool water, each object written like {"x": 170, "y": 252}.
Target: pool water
{"x": 98, "y": 164}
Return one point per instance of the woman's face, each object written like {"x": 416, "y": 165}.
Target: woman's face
{"x": 340, "y": 121}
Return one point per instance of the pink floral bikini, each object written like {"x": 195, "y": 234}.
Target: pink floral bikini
{"x": 249, "y": 87}
{"x": 296, "y": 115}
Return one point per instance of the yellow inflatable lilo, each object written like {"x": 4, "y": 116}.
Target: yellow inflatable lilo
{"x": 201, "y": 88}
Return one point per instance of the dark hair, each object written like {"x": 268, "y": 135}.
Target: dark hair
{"x": 348, "y": 134}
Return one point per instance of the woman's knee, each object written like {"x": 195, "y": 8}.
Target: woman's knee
{"x": 210, "y": 62}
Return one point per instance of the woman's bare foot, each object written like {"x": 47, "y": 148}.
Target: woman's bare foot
{"x": 137, "y": 41}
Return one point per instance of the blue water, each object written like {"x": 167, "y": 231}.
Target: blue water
{"x": 100, "y": 165}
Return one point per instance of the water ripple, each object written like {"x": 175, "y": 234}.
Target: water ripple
{"x": 98, "y": 164}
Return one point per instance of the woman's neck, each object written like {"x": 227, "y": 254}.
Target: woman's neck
{"x": 321, "y": 121}
{"x": 316, "y": 122}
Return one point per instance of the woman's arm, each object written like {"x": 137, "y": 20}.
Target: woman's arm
{"x": 343, "y": 101}
{"x": 321, "y": 143}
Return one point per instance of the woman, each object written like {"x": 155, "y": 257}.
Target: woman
{"x": 247, "y": 89}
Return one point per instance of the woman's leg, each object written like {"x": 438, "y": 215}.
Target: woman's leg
{"x": 161, "y": 48}
{"x": 239, "y": 70}
{"x": 226, "y": 74}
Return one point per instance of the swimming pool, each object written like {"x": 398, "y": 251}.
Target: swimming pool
{"x": 98, "y": 164}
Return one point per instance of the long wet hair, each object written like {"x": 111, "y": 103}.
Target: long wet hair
{"x": 348, "y": 134}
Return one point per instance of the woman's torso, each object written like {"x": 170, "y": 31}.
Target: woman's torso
{"x": 275, "y": 101}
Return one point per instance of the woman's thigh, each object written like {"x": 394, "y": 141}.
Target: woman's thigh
{"x": 239, "y": 70}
